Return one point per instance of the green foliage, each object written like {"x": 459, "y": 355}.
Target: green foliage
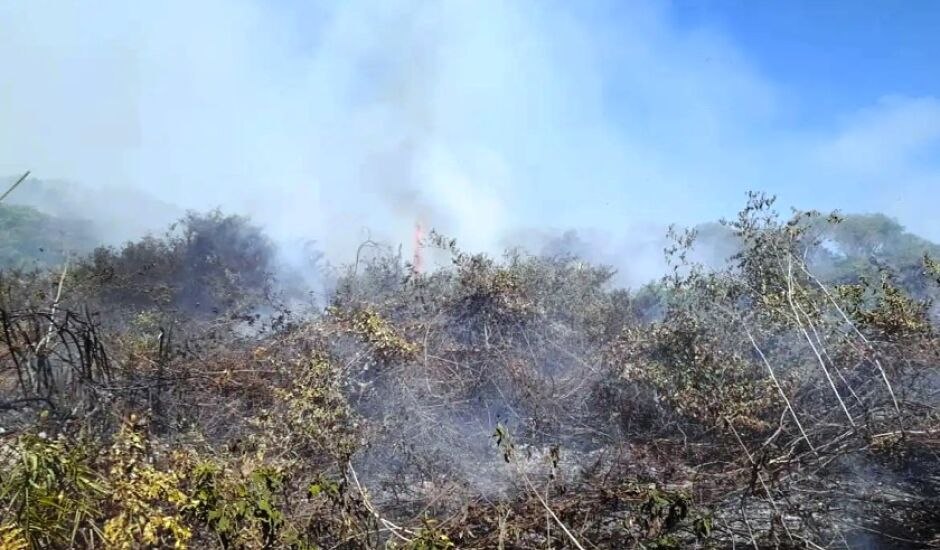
{"x": 504, "y": 442}
{"x": 885, "y": 311}
{"x": 866, "y": 246}
{"x": 375, "y": 331}
{"x": 50, "y": 493}
{"x": 690, "y": 363}
{"x": 12, "y": 538}
{"x": 430, "y": 537}
{"x": 241, "y": 509}
{"x": 931, "y": 268}
{"x": 145, "y": 502}
{"x": 489, "y": 292}
{"x": 876, "y": 235}
{"x": 30, "y": 239}
{"x": 309, "y": 415}
{"x": 662, "y": 512}
{"x": 759, "y": 387}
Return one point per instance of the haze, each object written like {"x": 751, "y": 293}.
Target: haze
{"x": 484, "y": 119}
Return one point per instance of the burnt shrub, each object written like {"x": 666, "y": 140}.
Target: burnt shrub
{"x": 206, "y": 265}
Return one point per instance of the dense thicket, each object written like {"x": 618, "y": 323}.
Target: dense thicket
{"x": 157, "y": 395}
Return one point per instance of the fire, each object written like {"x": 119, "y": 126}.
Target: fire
{"x": 418, "y": 262}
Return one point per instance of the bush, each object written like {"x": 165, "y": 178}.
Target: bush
{"x": 213, "y": 266}
{"x": 514, "y": 402}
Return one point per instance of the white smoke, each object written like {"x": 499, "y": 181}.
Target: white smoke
{"x": 338, "y": 121}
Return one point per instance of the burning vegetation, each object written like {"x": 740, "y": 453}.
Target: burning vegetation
{"x": 163, "y": 395}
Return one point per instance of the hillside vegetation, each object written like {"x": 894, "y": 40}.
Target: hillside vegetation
{"x": 162, "y": 395}
{"x": 31, "y": 239}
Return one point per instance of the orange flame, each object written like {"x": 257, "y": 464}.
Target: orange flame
{"x": 418, "y": 262}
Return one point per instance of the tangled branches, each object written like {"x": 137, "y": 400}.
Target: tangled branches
{"x": 512, "y": 403}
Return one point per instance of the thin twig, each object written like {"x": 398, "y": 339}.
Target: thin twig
{"x": 15, "y": 185}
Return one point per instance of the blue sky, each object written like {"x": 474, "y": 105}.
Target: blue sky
{"x": 832, "y": 55}
{"x": 855, "y": 80}
{"x": 482, "y": 118}
{"x": 839, "y": 62}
